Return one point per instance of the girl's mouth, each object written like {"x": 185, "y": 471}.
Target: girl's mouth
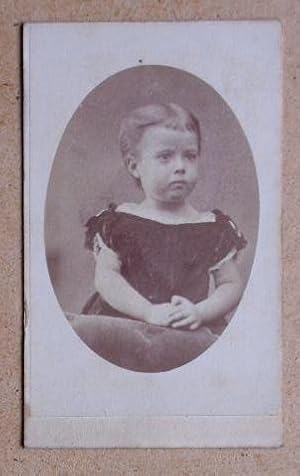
{"x": 178, "y": 183}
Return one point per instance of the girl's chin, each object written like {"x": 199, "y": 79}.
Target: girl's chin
{"x": 177, "y": 195}
{"x": 175, "y": 198}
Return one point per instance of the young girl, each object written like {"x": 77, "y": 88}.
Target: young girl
{"x": 154, "y": 258}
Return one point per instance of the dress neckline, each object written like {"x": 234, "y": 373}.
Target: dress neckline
{"x": 139, "y": 217}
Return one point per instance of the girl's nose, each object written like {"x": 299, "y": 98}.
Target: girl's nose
{"x": 179, "y": 164}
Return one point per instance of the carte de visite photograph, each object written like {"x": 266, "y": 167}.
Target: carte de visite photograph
{"x": 152, "y": 199}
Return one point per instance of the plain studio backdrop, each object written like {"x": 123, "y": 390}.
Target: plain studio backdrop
{"x": 88, "y": 172}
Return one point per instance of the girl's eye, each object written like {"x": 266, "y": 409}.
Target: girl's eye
{"x": 191, "y": 156}
{"x": 165, "y": 157}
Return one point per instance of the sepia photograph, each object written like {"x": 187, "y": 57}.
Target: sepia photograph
{"x": 164, "y": 196}
{"x": 152, "y": 234}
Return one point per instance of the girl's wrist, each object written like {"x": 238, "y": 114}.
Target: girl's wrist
{"x": 202, "y": 314}
{"x": 147, "y": 313}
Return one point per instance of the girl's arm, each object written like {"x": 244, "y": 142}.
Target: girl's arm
{"x": 227, "y": 293}
{"x": 226, "y": 296}
{"x": 117, "y": 292}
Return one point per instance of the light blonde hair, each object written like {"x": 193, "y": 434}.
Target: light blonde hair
{"x": 168, "y": 115}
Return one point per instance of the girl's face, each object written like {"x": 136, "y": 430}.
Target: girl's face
{"x": 167, "y": 162}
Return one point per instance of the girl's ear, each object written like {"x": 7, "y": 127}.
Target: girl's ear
{"x": 131, "y": 165}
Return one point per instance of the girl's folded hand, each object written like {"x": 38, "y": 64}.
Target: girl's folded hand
{"x": 186, "y": 313}
{"x": 160, "y": 314}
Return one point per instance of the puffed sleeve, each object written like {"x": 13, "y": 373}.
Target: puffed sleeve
{"x": 230, "y": 240}
{"x": 100, "y": 225}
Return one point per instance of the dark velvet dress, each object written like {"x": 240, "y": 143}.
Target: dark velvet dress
{"x": 160, "y": 260}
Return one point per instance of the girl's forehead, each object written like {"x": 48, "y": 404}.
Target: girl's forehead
{"x": 157, "y": 136}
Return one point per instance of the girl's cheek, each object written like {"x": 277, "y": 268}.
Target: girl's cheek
{"x": 194, "y": 179}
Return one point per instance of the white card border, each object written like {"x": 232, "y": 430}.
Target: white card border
{"x": 89, "y": 432}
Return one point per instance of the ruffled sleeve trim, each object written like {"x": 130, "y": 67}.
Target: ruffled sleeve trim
{"x": 232, "y": 253}
{"x": 101, "y": 225}
{"x": 231, "y": 241}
